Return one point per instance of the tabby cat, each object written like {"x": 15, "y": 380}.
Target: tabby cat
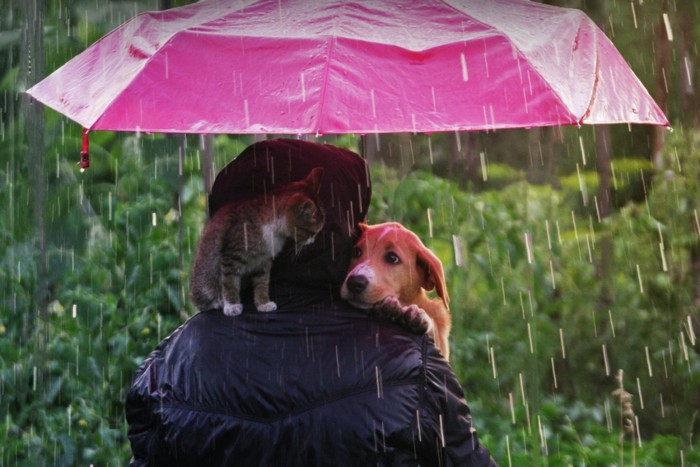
{"x": 242, "y": 238}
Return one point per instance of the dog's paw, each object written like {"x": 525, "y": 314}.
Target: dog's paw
{"x": 233, "y": 309}
{"x": 269, "y": 306}
{"x": 411, "y": 317}
{"x": 389, "y": 308}
{"x": 416, "y": 319}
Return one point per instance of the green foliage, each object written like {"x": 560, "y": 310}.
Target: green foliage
{"x": 548, "y": 301}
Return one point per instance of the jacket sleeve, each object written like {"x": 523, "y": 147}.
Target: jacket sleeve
{"x": 140, "y": 416}
{"x": 460, "y": 441}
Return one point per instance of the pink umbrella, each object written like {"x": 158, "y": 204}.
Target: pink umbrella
{"x": 342, "y": 66}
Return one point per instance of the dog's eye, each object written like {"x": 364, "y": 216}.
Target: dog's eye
{"x": 357, "y": 252}
{"x": 392, "y": 258}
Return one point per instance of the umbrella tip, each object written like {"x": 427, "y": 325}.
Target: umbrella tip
{"x": 85, "y": 152}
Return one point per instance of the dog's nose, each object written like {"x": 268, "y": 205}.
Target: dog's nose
{"x": 356, "y": 284}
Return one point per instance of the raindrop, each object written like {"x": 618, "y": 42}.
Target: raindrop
{"x": 543, "y": 438}
{"x": 561, "y": 340}
{"x": 590, "y": 251}
{"x": 337, "y": 361}
{"x": 583, "y": 151}
{"x": 378, "y": 376}
{"x": 528, "y": 247}
{"x": 522, "y": 389}
{"x": 465, "y": 72}
{"x": 558, "y": 232}
{"x": 634, "y": 15}
{"x": 74, "y": 312}
{"x": 612, "y": 323}
{"x": 159, "y": 320}
{"x": 664, "y": 264}
{"x": 512, "y": 408}
{"x": 442, "y": 432}
{"x": 503, "y": 291}
{"x": 457, "y": 246}
{"x": 691, "y": 332}
{"x": 486, "y": 60}
{"x": 429, "y": 213}
{"x": 154, "y": 219}
{"x": 608, "y": 416}
{"x": 303, "y": 88}
{"x": 641, "y": 399}
{"x": 420, "y": 437}
{"x": 646, "y": 351}
{"x": 605, "y": 360}
{"x": 639, "y": 278}
{"x": 582, "y": 185}
{"x": 554, "y": 373}
{"x": 667, "y": 23}
{"x": 508, "y": 450}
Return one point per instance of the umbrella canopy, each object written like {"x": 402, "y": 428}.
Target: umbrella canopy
{"x": 343, "y": 66}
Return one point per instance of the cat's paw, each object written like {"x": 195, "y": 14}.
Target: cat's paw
{"x": 269, "y": 306}
{"x": 233, "y": 309}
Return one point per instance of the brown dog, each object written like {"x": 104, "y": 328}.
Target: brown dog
{"x": 390, "y": 272}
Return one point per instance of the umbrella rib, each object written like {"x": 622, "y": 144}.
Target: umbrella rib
{"x": 596, "y": 80}
{"x": 324, "y": 82}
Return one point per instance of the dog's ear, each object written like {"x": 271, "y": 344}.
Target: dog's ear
{"x": 434, "y": 274}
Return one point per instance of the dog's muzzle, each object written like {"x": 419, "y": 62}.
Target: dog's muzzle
{"x": 356, "y": 284}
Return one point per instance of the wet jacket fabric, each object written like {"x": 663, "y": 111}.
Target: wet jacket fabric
{"x": 316, "y": 382}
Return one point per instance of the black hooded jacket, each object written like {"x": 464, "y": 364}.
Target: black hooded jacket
{"x": 316, "y": 382}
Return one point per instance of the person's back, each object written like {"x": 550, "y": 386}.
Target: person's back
{"x": 316, "y": 382}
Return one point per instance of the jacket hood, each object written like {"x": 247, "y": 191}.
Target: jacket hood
{"x": 345, "y": 193}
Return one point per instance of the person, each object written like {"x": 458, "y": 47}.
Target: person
{"x": 316, "y": 382}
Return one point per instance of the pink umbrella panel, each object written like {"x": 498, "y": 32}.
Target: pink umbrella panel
{"x": 338, "y": 66}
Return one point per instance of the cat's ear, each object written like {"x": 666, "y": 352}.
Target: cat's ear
{"x": 314, "y": 179}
